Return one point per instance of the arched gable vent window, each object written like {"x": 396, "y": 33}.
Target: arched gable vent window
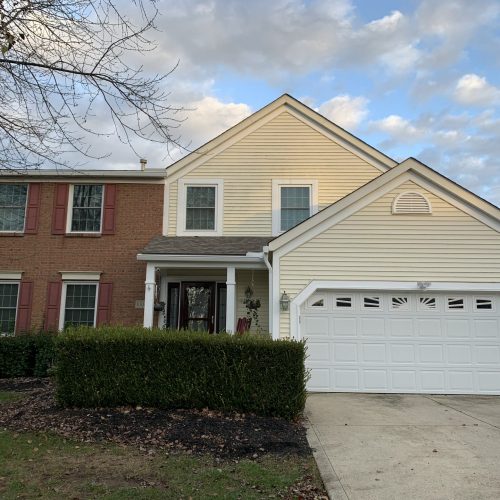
{"x": 411, "y": 202}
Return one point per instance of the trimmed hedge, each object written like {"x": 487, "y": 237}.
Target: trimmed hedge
{"x": 26, "y": 355}
{"x": 113, "y": 366}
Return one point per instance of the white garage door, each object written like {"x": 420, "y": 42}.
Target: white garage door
{"x": 444, "y": 343}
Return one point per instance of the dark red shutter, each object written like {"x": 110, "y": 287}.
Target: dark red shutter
{"x": 60, "y": 208}
{"x": 53, "y": 306}
{"x": 109, "y": 215}
{"x": 33, "y": 208}
{"x": 104, "y": 303}
{"x": 23, "y": 319}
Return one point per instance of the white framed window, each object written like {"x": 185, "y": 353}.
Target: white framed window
{"x": 9, "y": 294}
{"x": 13, "y": 199}
{"x": 455, "y": 303}
{"x": 483, "y": 304}
{"x": 85, "y": 208}
{"x": 344, "y": 302}
{"x": 372, "y": 302}
{"x": 200, "y": 207}
{"x": 78, "y": 303}
{"x": 293, "y": 201}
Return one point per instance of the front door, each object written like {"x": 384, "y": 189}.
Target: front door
{"x": 198, "y": 306}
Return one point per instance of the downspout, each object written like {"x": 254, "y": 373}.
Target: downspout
{"x": 270, "y": 274}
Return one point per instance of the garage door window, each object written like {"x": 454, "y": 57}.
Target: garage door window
{"x": 483, "y": 304}
{"x": 455, "y": 304}
{"x": 371, "y": 302}
{"x": 343, "y": 302}
{"x": 400, "y": 303}
{"x": 427, "y": 303}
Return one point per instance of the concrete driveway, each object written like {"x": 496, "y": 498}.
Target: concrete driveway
{"x": 372, "y": 446}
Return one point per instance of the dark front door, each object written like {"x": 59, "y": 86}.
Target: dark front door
{"x": 198, "y": 306}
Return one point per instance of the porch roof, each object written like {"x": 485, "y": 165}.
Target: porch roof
{"x": 205, "y": 245}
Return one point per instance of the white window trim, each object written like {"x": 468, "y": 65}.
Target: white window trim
{"x": 12, "y": 282}
{"x": 9, "y": 276}
{"x": 69, "y": 215}
{"x": 20, "y": 231}
{"x": 277, "y": 184}
{"x": 63, "y": 300}
{"x": 80, "y": 275}
{"x": 181, "y": 206}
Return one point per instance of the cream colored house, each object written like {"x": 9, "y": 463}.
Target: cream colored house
{"x": 390, "y": 272}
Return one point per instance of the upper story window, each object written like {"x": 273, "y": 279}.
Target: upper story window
{"x": 85, "y": 214}
{"x": 200, "y": 207}
{"x": 12, "y": 207}
{"x": 293, "y": 202}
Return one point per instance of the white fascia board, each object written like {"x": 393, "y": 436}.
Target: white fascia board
{"x": 11, "y": 275}
{"x": 240, "y": 261}
{"x": 80, "y": 275}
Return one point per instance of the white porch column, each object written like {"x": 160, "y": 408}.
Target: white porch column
{"x": 149, "y": 295}
{"x": 231, "y": 300}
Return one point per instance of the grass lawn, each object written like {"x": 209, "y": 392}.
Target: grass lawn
{"x": 47, "y": 466}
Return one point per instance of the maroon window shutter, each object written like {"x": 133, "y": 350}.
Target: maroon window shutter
{"x": 60, "y": 208}
{"x": 104, "y": 303}
{"x": 23, "y": 319}
{"x": 32, "y": 209}
{"x": 53, "y": 306}
{"x": 108, "y": 219}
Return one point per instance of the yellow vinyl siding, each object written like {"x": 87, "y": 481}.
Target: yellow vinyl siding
{"x": 374, "y": 244}
{"x": 283, "y": 148}
{"x": 260, "y": 286}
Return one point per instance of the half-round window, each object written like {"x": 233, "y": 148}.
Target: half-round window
{"x": 411, "y": 202}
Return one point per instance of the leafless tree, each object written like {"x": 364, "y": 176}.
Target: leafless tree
{"x": 65, "y": 62}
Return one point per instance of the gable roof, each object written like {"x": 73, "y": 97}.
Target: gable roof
{"x": 283, "y": 103}
{"x": 410, "y": 169}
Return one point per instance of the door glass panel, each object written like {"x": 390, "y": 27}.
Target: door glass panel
{"x": 198, "y": 307}
{"x": 173, "y": 306}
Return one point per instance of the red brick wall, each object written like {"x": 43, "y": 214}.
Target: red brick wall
{"x": 139, "y": 214}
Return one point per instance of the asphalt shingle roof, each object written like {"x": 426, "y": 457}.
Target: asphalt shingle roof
{"x": 206, "y": 245}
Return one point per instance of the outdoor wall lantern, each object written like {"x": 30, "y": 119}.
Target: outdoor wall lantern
{"x": 284, "y": 301}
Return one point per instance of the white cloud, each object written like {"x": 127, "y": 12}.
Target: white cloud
{"x": 346, "y": 111}
{"x": 472, "y": 89}
{"x": 398, "y": 129}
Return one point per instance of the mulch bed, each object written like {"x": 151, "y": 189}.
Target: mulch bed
{"x": 222, "y": 435}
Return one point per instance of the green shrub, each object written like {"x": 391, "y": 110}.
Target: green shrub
{"x": 26, "y": 355}
{"x": 113, "y": 366}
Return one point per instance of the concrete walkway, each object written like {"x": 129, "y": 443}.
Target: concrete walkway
{"x": 371, "y": 446}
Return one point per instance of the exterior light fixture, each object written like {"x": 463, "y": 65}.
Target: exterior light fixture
{"x": 423, "y": 285}
{"x": 284, "y": 301}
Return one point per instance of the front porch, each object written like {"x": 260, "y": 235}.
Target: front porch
{"x": 206, "y": 291}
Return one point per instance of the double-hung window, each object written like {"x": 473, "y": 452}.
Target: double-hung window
{"x": 13, "y": 207}
{"x": 8, "y": 307}
{"x": 85, "y": 214}
{"x": 79, "y": 304}
{"x": 293, "y": 202}
{"x": 200, "y": 207}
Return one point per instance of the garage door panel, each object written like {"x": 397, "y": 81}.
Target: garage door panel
{"x": 375, "y": 379}
{"x": 407, "y": 343}
{"x": 429, "y": 327}
{"x": 431, "y": 353}
{"x": 374, "y": 353}
{"x": 486, "y": 328}
{"x": 372, "y": 326}
{"x": 401, "y": 327}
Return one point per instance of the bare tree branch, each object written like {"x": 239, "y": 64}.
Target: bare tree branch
{"x": 69, "y": 69}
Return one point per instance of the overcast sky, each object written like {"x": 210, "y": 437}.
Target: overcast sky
{"x": 412, "y": 78}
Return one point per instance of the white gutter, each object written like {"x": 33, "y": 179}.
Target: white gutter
{"x": 220, "y": 260}
{"x": 270, "y": 286}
